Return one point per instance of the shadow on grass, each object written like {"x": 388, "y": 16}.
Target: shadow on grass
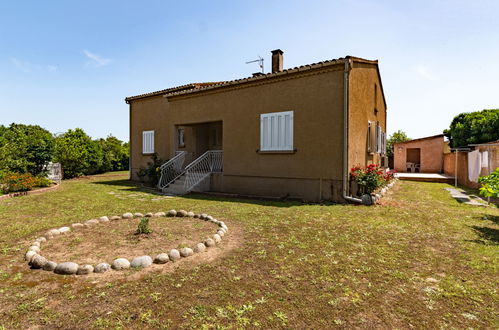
{"x": 488, "y": 235}
{"x": 128, "y": 185}
{"x": 131, "y": 186}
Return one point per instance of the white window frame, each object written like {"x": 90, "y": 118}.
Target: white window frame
{"x": 276, "y": 134}
{"x": 147, "y": 142}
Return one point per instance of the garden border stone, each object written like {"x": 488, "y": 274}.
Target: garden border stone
{"x": 37, "y": 261}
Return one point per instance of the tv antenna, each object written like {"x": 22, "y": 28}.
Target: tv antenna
{"x": 260, "y": 62}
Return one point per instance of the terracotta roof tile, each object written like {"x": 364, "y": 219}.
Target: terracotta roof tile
{"x": 197, "y": 87}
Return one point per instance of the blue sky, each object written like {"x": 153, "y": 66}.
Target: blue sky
{"x": 67, "y": 64}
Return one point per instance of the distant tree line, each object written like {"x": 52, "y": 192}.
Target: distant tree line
{"x": 28, "y": 148}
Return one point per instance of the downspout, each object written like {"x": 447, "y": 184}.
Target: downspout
{"x": 346, "y": 189}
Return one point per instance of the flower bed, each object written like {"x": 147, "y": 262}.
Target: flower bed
{"x": 21, "y": 182}
{"x": 372, "y": 181}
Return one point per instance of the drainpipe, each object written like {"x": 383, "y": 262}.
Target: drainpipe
{"x": 345, "y": 135}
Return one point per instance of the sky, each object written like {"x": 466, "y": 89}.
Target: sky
{"x": 68, "y": 64}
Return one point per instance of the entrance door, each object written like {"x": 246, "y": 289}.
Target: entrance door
{"x": 414, "y": 159}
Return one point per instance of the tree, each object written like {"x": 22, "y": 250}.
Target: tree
{"x": 398, "y": 136}
{"x": 115, "y": 154}
{"x": 474, "y": 127}
{"x": 77, "y": 153}
{"x": 25, "y": 148}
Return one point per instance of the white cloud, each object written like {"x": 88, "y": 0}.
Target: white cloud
{"x": 97, "y": 60}
{"x": 21, "y": 65}
{"x": 425, "y": 72}
{"x": 26, "y": 66}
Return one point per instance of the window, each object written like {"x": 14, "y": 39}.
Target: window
{"x": 148, "y": 142}
{"x": 376, "y": 138}
{"x": 181, "y": 141}
{"x": 276, "y": 131}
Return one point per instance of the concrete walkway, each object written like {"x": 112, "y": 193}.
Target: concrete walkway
{"x": 462, "y": 197}
{"x": 426, "y": 177}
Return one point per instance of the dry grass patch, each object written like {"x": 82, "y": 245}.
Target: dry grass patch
{"x": 118, "y": 239}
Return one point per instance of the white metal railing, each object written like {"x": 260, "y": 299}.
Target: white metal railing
{"x": 209, "y": 162}
{"x": 172, "y": 169}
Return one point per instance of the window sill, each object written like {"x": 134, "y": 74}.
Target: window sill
{"x": 147, "y": 153}
{"x": 265, "y": 152}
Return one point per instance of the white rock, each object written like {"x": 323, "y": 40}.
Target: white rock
{"x": 203, "y": 216}
{"x": 91, "y": 222}
{"x": 138, "y": 215}
{"x": 182, "y": 213}
{"x": 174, "y": 254}
{"x": 104, "y": 219}
{"x": 217, "y": 238}
{"x": 148, "y": 215}
{"x": 209, "y": 218}
{"x": 209, "y": 242}
{"x": 186, "y": 252}
{"x": 34, "y": 248}
{"x": 190, "y": 214}
{"x": 120, "y": 263}
{"x": 53, "y": 232}
{"x": 115, "y": 217}
{"x": 127, "y": 215}
{"x": 102, "y": 267}
{"x": 161, "y": 258}
{"x": 36, "y": 243}
{"x": 29, "y": 255}
{"x": 220, "y": 233}
{"x": 171, "y": 213}
{"x": 64, "y": 230}
{"x": 159, "y": 214}
{"x": 85, "y": 270}
{"x": 77, "y": 225}
{"x": 37, "y": 262}
{"x": 49, "y": 266}
{"x": 142, "y": 262}
{"x": 200, "y": 247}
{"x": 66, "y": 268}
{"x": 41, "y": 239}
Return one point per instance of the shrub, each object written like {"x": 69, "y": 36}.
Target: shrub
{"x": 490, "y": 184}
{"x": 152, "y": 172}
{"x": 143, "y": 227}
{"x": 41, "y": 181}
{"x": 15, "y": 182}
{"x": 370, "y": 178}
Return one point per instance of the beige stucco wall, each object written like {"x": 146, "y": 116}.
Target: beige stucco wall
{"x": 432, "y": 154}
{"x": 364, "y": 81}
{"x": 313, "y": 172}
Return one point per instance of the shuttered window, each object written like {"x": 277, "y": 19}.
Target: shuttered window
{"x": 276, "y": 131}
{"x": 148, "y": 142}
{"x": 376, "y": 138}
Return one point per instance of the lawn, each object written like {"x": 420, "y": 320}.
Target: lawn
{"x": 419, "y": 260}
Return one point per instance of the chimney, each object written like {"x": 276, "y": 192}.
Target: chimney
{"x": 277, "y": 60}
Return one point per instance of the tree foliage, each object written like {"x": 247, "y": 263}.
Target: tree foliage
{"x": 398, "y": 136}
{"x": 474, "y": 127}
{"x": 115, "y": 154}
{"x": 25, "y": 148}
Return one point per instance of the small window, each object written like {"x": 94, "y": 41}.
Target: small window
{"x": 181, "y": 137}
{"x": 276, "y": 131}
{"x": 148, "y": 142}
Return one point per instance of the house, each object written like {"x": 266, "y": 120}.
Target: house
{"x": 290, "y": 133}
{"x": 423, "y": 155}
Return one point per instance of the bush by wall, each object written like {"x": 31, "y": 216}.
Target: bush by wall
{"x": 370, "y": 178}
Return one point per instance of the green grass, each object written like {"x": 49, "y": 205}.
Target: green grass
{"x": 421, "y": 260}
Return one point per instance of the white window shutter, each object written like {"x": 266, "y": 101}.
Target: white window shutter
{"x": 276, "y": 131}
{"x": 148, "y": 142}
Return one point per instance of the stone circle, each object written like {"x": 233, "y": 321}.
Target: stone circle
{"x": 37, "y": 261}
